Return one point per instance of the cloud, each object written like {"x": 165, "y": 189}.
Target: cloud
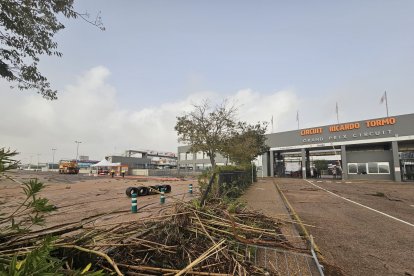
{"x": 255, "y": 106}
{"x": 88, "y": 111}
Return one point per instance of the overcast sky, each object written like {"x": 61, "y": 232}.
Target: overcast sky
{"x": 123, "y": 88}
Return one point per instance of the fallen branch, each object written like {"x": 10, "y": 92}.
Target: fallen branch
{"x": 201, "y": 258}
{"x": 110, "y": 261}
{"x": 158, "y": 269}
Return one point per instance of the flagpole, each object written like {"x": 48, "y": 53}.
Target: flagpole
{"x": 272, "y": 123}
{"x": 386, "y": 103}
{"x": 297, "y": 118}
{"x": 337, "y": 113}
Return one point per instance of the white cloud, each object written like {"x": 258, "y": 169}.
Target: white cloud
{"x": 88, "y": 111}
{"x": 255, "y": 106}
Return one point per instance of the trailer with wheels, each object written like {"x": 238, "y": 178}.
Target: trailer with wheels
{"x": 151, "y": 190}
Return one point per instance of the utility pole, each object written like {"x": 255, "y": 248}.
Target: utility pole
{"x": 53, "y": 160}
{"x": 77, "y": 149}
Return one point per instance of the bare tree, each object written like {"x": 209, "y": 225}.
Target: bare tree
{"x": 207, "y": 128}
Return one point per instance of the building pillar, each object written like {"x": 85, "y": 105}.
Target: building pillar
{"x": 303, "y": 151}
{"x": 265, "y": 164}
{"x": 344, "y": 163}
{"x": 307, "y": 163}
{"x": 279, "y": 165}
{"x": 272, "y": 163}
{"x": 396, "y": 162}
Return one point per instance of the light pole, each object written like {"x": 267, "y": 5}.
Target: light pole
{"x": 37, "y": 161}
{"x": 53, "y": 160}
{"x": 77, "y": 149}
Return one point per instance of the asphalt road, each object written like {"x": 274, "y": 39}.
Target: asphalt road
{"x": 361, "y": 241}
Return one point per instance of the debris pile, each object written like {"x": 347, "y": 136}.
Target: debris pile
{"x": 214, "y": 240}
{"x": 195, "y": 241}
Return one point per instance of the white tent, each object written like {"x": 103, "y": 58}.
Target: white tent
{"x": 106, "y": 163}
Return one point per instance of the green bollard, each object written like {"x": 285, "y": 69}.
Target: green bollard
{"x": 134, "y": 207}
{"x": 190, "y": 189}
{"x": 162, "y": 198}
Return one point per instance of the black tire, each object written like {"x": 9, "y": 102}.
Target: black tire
{"x": 131, "y": 190}
{"x": 153, "y": 189}
{"x": 142, "y": 191}
{"x": 167, "y": 188}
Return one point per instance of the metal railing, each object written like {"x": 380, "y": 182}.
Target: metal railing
{"x": 277, "y": 261}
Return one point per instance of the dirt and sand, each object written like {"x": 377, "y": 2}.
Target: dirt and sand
{"x": 90, "y": 201}
{"x": 96, "y": 200}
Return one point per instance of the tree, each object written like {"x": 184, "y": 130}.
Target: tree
{"x": 207, "y": 129}
{"x": 216, "y": 131}
{"x": 246, "y": 143}
{"x": 41, "y": 258}
{"x": 27, "y": 28}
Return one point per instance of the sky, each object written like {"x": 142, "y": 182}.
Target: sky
{"x": 123, "y": 88}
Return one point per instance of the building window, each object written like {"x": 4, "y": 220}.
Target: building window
{"x": 182, "y": 156}
{"x": 362, "y": 168}
{"x": 199, "y": 167}
{"x": 372, "y": 167}
{"x": 199, "y": 155}
{"x": 352, "y": 168}
{"x": 190, "y": 156}
{"x": 384, "y": 167}
{"x": 369, "y": 168}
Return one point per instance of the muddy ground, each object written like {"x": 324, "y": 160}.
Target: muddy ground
{"x": 96, "y": 200}
{"x": 359, "y": 240}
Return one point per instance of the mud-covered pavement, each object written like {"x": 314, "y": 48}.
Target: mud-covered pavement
{"x": 359, "y": 240}
{"x": 97, "y": 200}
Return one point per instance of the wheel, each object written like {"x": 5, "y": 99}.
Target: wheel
{"x": 142, "y": 191}
{"x": 167, "y": 188}
{"x": 153, "y": 189}
{"x": 131, "y": 190}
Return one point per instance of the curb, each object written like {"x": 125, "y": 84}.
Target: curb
{"x": 302, "y": 229}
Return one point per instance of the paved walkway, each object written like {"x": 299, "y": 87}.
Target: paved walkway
{"x": 264, "y": 197}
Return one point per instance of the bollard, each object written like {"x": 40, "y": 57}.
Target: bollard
{"x": 162, "y": 198}
{"x": 190, "y": 189}
{"x": 134, "y": 207}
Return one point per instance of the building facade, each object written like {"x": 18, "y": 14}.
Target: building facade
{"x": 196, "y": 161}
{"x": 370, "y": 149}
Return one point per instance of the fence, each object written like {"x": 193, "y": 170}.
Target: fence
{"x": 164, "y": 172}
{"x": 277, "y": 261}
